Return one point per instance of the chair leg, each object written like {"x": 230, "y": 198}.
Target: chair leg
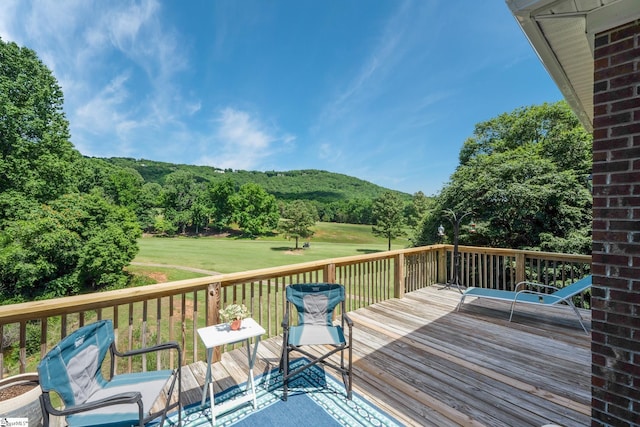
{"x": 575, "y": 310}
{"x": 285, "y": 372}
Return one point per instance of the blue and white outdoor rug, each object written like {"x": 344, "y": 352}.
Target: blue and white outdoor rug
{"x": 315, "y": 398}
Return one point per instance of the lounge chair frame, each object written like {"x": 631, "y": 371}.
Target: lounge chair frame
{"x": 525, "y": 295}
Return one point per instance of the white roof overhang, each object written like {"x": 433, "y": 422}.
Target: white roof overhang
{"x": 562, "y": 33}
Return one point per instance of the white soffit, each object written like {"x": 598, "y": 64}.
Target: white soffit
{"x": 562, "y": 32}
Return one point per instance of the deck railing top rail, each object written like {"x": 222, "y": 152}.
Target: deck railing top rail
{"x": 175, "y": 310}
{"x": 64, "y": 305}
{"x": 39, "y": 309}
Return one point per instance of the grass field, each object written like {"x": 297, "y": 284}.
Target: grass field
{"x": 160, "y": 256}
{"x": 230, "y": 254}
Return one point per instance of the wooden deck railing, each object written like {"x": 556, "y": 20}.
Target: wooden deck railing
{"x": 175, "y": 310}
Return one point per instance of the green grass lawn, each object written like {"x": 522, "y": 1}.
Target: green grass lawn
{"x": 221, "y": 254}
{"x": 229, "y": 254}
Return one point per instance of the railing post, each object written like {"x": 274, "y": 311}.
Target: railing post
{"x": 442, "y": 265}
{"x": 399, "y": 276}
{"x": 330, "y": 273}
{"x": 520, "y": 270}
{"x": 213, "y": 312}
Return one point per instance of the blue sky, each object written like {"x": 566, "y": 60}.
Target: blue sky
{"x": 383, "y": 90}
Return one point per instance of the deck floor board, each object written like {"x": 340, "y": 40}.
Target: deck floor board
{"x": 427, "y": 364}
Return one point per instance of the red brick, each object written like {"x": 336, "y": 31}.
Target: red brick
{"x": 601, "y": 40}
{"x": 599, "y": 270}
{"x": 611, "y": 166}
{"x": 600, "y": 134}
{"x": 624, "y": 31}
{"x": 613, "y": 282}
{"x": 622, "y": 177}
{"x": 626, "y": 56}
{"x": 625, "y": 153}
{"x": 619, "y": 213}
{"x": 613, "y": 190}
{"x": 624, "y": 225}
{"x": 627, "y": 104}
{"x": 612, "y": 72}
{"x": 613, "y": 48}
{"x": 625, "y": 129}
{"x": 628, "y": 79}
{"x": 613, "y": 119}
{"x": 607, "y": 144}
{"x": 613, "y": 95}
{"x": 602, "y": 86}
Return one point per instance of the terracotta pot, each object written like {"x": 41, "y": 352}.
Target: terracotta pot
{"x": 25, "y": 405}
{"x": 236, "y": 324}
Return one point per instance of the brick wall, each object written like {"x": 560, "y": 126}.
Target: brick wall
{"x": 616, "y": 228}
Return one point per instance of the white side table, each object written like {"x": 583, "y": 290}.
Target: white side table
{"x": 221, "y": 334}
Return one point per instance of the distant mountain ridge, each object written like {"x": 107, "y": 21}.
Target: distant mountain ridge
{"x": 308, "y": 184}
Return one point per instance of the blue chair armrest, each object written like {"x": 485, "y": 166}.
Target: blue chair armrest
{"x": 117, "y": 399}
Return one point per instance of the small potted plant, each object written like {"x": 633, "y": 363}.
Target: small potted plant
{"x": 233, "y": 314}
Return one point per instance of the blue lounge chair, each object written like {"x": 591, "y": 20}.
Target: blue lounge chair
{"x": 73, "y": 369}
{"x": 529, "y": 296}
{"x": 315, "y": 304}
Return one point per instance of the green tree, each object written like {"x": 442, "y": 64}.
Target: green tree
{"x": 149, "y": 205}
{"x": 298, "y": 218}
{"x": 200, "y": 208}
{"x": 221, "y": 195}
{"x": 417, "y": 209}
{"x": 36, "y": 157}
{"x": 388, "y": 215}
{"x": 54, "y": 240}
{"x": 256, "y": 211}
{"x": 179, "y": 196}
{"x": 74, "y": 242}
{"x": 515, "y": 177}
{"x": 123, "y": 186}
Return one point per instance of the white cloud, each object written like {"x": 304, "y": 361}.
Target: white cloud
{"x": 117, "y": 63}
{"x": 104, "y": 111}
{"x": 242, "y": 141}
{"x": 328, "y": 152}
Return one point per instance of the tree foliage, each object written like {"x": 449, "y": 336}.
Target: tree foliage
{"x": 255, "y": 210}
{"x": 524, "y": 175}
{"x": 36, "y": 157}
{"x": 56, "y": 238}
{"x": 388, "y": 217}
{"x": 298, "y": 218}
{"x": 220, "y": 196}
{"x": 62, "y": 247}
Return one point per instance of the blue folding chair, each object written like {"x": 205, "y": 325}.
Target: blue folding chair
{"x": 73, "y": 370}
{"x": 315, "y": 304}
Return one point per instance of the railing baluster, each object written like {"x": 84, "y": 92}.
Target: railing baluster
{"x": 368, "y": 279}
{"x": 143, "y": 334}
{"x": 23, "y": 347}
{"x": 130, "y": 337}
{"x": 158, "y": 329}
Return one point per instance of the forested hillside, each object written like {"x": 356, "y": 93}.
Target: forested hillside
{"x": 310, "y": 184}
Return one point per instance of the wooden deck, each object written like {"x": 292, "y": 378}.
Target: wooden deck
{"x": 426, "y": 364}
